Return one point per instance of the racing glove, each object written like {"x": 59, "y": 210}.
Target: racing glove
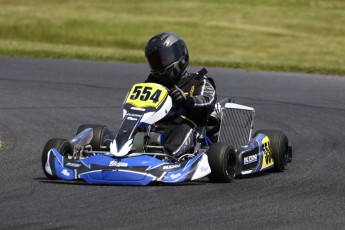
{"x": 179, "y": 98}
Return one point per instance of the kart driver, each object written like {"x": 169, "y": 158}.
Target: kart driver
{"x": 193, "y": 94}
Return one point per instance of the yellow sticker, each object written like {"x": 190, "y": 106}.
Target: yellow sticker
{"x": 267, "y": 160}
{"x": 143, "y": 95}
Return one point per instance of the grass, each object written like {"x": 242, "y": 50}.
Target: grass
{"x": 2, "y": 144}
{"x": 284, "y": 35}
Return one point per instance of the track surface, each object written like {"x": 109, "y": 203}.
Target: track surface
{"x": 41, "y": 99}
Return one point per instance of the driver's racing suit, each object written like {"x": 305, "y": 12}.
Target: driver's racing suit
{"x": 182, "y": 123}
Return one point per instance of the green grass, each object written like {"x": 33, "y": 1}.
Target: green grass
{"x": 284, "y": 35}
{"x": 2, "y": 144}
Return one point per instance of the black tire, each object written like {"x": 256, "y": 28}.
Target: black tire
{"x": 100, "y": 134}
{"x": 280, "y": 148}
{"x": 222, "y": 160}
{"x": 61, "y": 145}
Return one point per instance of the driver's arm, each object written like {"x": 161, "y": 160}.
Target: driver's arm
{"x": 200, "y": 104}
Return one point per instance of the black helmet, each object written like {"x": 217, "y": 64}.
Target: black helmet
{"x": 167, "y": 55}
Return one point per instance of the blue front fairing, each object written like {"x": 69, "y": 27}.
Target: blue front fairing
{"x": 116, "y": 177}
{"x": 181, "y": 174}
{"x": 136, "y": 170}
{"x": 57, "y": 161}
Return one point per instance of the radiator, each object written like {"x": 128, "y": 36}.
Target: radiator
{"x": 236, "y": 124}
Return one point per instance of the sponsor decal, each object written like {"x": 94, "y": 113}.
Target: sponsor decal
{"x": 250, "y": 159}
{"x": 266, "y": 149}
{"x": 75, "y": 165}
{"x": 132, "y": 118}
{"x": 174, "y": 176}
{"x": 118, "y": 164}
{"x": 204, "y": 169}
{"x": 134, "y": 115}
{"x": 65, "y": 172}
{"x": 267, "y": 154}
{"x": 171, "y": 166}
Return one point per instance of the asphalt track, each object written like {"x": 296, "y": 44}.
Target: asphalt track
{"x": 41, "y": 99}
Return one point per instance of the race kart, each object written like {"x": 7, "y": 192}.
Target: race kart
{"x": 135, "y": 154}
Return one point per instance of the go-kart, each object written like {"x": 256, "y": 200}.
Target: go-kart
{"x": 135, "y": 154}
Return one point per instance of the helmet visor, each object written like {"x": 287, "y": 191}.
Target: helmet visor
{"x": 165, "y": 56}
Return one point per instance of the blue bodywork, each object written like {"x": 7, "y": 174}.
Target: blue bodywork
{"x": 136, "y": 170}
{"x": 254, "y": 151}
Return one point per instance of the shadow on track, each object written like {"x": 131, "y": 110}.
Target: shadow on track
{"x": 81, "y": 183}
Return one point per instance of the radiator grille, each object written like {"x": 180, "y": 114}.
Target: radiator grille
{"x": 236, "y": 126}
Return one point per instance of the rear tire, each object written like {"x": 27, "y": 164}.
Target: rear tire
{"x": 222, "y": 160}
{"x": 280, "y": 148}
{"x": 61, "y": 145}
{"x": 100, "y": 134}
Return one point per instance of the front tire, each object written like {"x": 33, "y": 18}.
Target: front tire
{"x": 100, "y": 134}
{"x": 61, "y": 145}
{"x": 280, "y": 148}
{"x": 222, "y": 160}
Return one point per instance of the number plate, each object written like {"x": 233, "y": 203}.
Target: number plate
{"x": 143, "y": 95}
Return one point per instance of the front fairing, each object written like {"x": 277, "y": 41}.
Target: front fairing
{"x": 136, "y": 170}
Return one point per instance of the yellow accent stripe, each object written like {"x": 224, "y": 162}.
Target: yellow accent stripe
{"x": 191, "y": 92}
{"x": 189, "y": 120}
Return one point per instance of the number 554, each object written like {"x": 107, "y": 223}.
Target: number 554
{"x": 145, "y": 94}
